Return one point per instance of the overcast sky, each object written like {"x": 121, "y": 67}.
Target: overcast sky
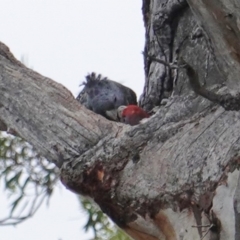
{"x": 65, "y": 40}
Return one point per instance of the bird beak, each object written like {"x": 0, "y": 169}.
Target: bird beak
{"x": 119, "y": 113}
{"x": 112, "y": 114}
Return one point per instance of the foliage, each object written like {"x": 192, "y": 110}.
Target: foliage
{"x": 27, "y": 178}
{"x": 99, "y": 223}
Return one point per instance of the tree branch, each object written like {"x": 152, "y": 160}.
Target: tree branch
{"x": 45, "y": 113}
{"x": 109, "y": 168}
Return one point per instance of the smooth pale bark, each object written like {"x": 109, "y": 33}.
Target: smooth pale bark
{"x": 169, "y": 175}
{"x": 221, "y": 20}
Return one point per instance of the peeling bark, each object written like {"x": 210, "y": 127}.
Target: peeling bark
{"x": 175, "y": 176}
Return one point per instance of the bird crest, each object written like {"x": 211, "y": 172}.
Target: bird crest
{"x": 93, "y": 78}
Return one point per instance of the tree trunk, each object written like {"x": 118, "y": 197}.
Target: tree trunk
{"x": 175, "y": 175}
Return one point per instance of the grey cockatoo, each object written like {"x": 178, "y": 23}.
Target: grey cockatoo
{"x": 104, "y": 96}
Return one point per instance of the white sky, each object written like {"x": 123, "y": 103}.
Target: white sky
{"x": 65, "y": 40}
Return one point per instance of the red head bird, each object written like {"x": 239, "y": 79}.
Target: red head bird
{"x": 131, "y": 114}
{"x": 104, "y": 96}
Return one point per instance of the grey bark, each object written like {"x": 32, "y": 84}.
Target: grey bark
{"x": 175, "y": 175}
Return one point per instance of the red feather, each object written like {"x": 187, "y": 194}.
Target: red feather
{"x": 133, "y": 114}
